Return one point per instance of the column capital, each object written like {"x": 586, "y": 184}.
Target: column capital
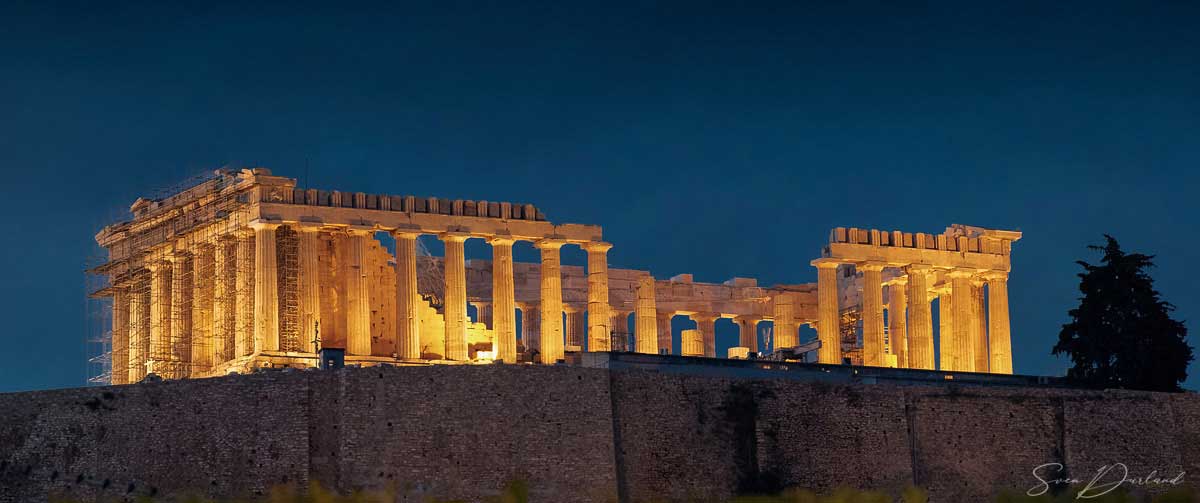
{"x": 549, "y": 244}
{"x": 455, "y": 237}
{"x": 960, "y": 274}
{"x": 157, "y": 265}
{"x": 263, "y": 224}
{"x": 698, "y": 317}
{"x": 303, "y": 226}
{"x": 918, "y": 269}
{"x": 501, "y": 240}
{"x": 872, "y": 265}
{"x": 898, "y": 280}
{"x": 748, "y": 317}
{"x": 991, "y": 276}
{"x": 597, "y": 246}
{"x": 567, "y": 308}
{"x": 360, "y": 230}
{"x": 825, "y": 263}
{"x": 977, "y": 281}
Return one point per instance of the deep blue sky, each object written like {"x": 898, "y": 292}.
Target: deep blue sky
{"x": 715, "y": 139}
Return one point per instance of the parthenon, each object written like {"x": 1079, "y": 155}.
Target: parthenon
{"x": 242, "y": 270}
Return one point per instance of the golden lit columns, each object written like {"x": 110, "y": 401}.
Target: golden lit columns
{"x": 139, "y": 328}
{"x": 748, "y": 332}
{"x": 456, "y": 296}
{"x": 574, "y": 327}
{"x": 692, "y": 343}
{"x": 828, "y": 317}
{"x": 706, "y": 323}
{"x": 646, "y": 324}
{"x": 266, "y": 290}
{"x": 663, "y": 322}
{"x": 181, "y": 314}
{"x": 551, "y": 301}
{"x": 358, "y": 291}
{"x": 224, "y": 314}
{"x": 309, "y": 283}
{"x": 872, "y": 316}
{"x": 408, "y": 321}
{"x": 979, "y": 337}
{"x": 946, "y": 345}
{"x": 202, "y": 301}
{"x": 897, "y": 322}
{"x": 785, "y": 321}
{"x": 531, "y": 331}
{"x": 920, "y": 318}
{"x": 120, "y": 336}
{"x": 599, "y": 330}
{"x": 244, "y": 296}
{"x": 160, "y": 316}
{"x": 504, "y": 316}
{"x": 962, "y": 331}
{"x": 999, "y": 337}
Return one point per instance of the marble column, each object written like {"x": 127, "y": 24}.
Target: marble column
{"x": 979, "y": 336}
{"x": 574, "y": 328}
{"x": 646, "y": 324}
{"x": 964, "y": 323}
{"x": 785, "y": 321}
{"x": 828, "y": 313}
{"x": 139, "y": 327}
{"x": 181, "y": 316}
{"x": 897, "y": 321}
{"x": 920, "y": 319}
{"x": 456, "y": 296}
{"x": 224, "y": 314}
{"x": 309, "y": 284}
{"x": 266, "y": 287}
{"x": 748, "y": 332}
{"x": 504, "y": 312}
{"x": 692, "y": 343}
{"x": 946, "y": 347}
{"x": 202, "y": 301}
{"x": 244, "y": 296}
{"x": 408, "y": 318}
{"x": 599, "y": 330}
{"x": 119, "y": 368}
{"x": 706, "y": 323}
{"x": 619, "y": 324}
{"x": 663, "y": 323}
{"x": 999, "y": 337}
{"x": 872, "y": 315}
{"x": 531, "y": 328}
{"x": 160, "y": 319}
{"x": 551, "y": 301}
{"x": 483, "y": 314}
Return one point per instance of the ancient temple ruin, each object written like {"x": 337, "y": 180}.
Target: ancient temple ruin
{"x": 243, "y": 270}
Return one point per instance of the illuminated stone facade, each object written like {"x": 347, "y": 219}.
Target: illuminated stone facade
{"x": 244, "y": 270}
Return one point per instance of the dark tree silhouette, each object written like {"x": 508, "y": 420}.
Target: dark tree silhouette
{"x": 1122, "y": 334}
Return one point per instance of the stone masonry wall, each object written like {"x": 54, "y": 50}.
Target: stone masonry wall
{"x": 575, "y": 434}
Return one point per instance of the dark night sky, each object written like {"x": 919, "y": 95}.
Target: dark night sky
{"x": 706, "y": 138}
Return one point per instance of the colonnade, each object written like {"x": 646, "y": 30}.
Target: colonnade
{"x": 973, "y": 335}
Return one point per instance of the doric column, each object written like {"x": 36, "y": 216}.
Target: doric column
{"x": 999, "y": 337}
{"x": 551, "y": 301}
{"x": 224, "y": 314}
{"x": 872, "y": 315}
{"x": 202, "y": 301}
{"x": 920, "y": 319}
{"x": 828, "y": 313}
{"x": 599, "y": 330}
{"x": 244, "y": 297}
{"x": 574, "y": 328}
{"x": 785, "y": 321}
{"x": 619, "y": 324}
{"x": 663, "y": 322}
{"x": 309, "y": 283}
{"x": 706, "y": 323}
{"x": 963, "y": 359}
{"x": 483, "y": 314}
{"x": 692, "y": 343}
{"x": 646, "y": 324}
{"x": 504, "y": 315}
{"x": 946, "y": 345}
{"x": 408, "y": 320}
{"x": 897, "y": 322}
{"x": 979, "y": 336}
{"x": 266, "y": 287}
{"x": 119, "y": 368}
{"x": 531, "y": 328}
{"x": 160, "y": 318}
{"x": 456, "y": 296}
{"x": 748, "y": 332}
{"x": 139, "y": 327}
{"x": 181, "y": 315}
